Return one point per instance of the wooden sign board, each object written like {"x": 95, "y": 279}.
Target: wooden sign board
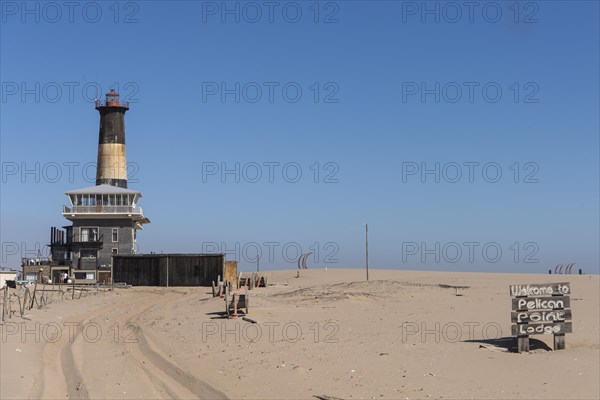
{"x": 544, "y": 289}
{"x": 542, "y": 329}
{"x": 541, "y": 303}
{"x": 541, "y": 309}
{"x": 523, "y": 317}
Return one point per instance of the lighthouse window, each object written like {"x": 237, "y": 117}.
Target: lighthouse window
{"x": 88, "y": 200}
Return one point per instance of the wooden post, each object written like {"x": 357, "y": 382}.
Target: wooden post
{"x": 559, "y": 341}
{"x": 4, "y": 309}
{"x": 9, "y": 313}
{"x": 33, "y": 297}
{"x": 523, "y": 340}
{"x": 522, "y": 344}
{"x": 167, "y": 270}
{"x": 234, "y": 301}
{"x": 367, "y": 249}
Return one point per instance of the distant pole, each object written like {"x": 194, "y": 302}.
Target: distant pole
{"x": 257, "y": 263}
{"x": 167, "y": 271}
{"x": 367, "y": 249}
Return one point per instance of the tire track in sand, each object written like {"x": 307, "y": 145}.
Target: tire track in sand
{"x": 149, "y": 350}
{"x": 69, "y": 376}
{"x": 53, "y": 381}
{"x": 64, "y": 379}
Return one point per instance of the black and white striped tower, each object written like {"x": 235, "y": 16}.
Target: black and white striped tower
{"x": 112, "y": 160}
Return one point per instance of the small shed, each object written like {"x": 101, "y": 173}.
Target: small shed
{"x": 169, "y": 269}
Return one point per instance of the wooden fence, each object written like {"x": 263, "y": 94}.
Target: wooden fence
{"x": 24, "y": 298}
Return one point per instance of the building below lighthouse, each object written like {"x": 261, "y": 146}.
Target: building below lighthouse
{"x": 105, "y": 220}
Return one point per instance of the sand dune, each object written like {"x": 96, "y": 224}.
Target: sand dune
{"x": 400, "y": 335}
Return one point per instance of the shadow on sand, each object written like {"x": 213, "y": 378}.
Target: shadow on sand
{"x": 510, "y": 344}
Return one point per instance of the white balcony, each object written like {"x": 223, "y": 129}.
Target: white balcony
{"x": 103, "y": 210}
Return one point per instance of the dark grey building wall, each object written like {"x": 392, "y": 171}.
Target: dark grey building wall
{"x": 124, "y": 244}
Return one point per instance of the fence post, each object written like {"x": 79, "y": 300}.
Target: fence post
{"x": 9, "y": 306}
{"x": 4, "y": 302}
{"x": 33, "y": 297}
{"x": 26, "y": 296}
{"x": 42, "y": 299}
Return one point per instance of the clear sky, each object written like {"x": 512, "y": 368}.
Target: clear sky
{"x": 466, "y": 134}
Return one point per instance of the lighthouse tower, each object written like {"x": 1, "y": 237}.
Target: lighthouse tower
{"x": 106, "y": 217}
{"x": 112, "y": 161}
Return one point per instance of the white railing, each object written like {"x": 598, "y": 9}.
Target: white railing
{"x": 102, "y": 209}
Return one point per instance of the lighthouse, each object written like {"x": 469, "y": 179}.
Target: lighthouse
{"x": 105, "y": 217}
{"x": 111, "y": 168}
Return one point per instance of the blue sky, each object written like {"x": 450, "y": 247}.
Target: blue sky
{"x": 400, "y": 90}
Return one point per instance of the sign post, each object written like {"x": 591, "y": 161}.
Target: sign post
{"x": 541, "y": 309}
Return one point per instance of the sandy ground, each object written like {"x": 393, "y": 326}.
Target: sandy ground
{"x": 397, "y": 336}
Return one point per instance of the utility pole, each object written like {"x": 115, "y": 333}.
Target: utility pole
{"x": 257, "y": 263}
{"x": 367, "y": 249}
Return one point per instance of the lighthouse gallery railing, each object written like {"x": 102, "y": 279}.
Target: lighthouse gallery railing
{"x": 102, "y": 209}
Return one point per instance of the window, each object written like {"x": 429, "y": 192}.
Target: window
{"x": 89, "y": 275}
{"x": 115, "y": 234}
{"x": 31, "y": 277}
{"x": 88, "y": 200}
{"x": 89, "y": 234}
{"x": 115, "y": 250}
